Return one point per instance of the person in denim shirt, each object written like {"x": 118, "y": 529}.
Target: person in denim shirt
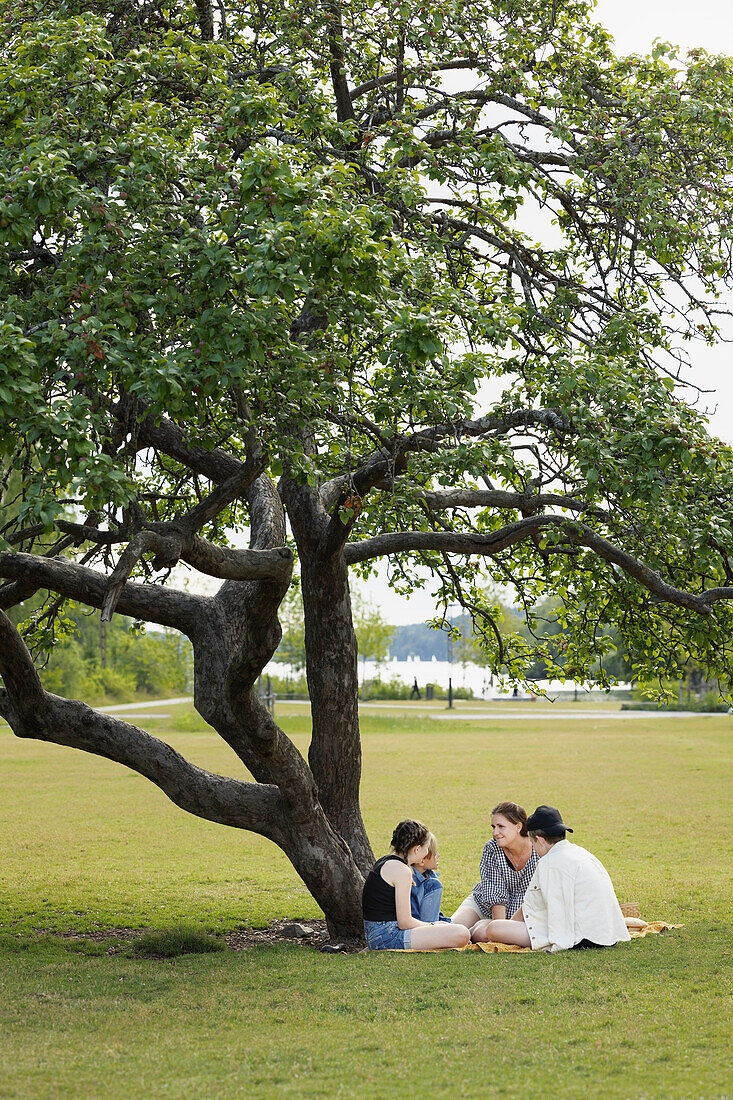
{"x": 427, "y": 889}
{"x": 388, "y": 920}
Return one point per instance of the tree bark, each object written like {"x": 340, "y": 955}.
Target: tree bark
{"x": 282, "y": 805}
{"x": 332, "y": 673}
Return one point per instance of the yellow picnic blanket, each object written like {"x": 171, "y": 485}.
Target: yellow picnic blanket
{"x": 652, "y": 927}
{"x": 635, "y": 933}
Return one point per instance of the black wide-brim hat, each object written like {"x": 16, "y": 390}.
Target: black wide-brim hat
{"x": 546, "y": 819}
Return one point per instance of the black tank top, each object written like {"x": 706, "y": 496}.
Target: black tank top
{"x": 378, "y": 897}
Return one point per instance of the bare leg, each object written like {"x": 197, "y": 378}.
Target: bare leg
{"x": 465, "y": 915}
{"x": 439, "y": 935}
{"x": 508, "y": 931}
{"x": 480, "y": 931}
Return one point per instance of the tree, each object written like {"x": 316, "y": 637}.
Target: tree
{"x": 258, "y": 264}
{"x": 373, "y": 635}
{"x": 94, "y": 658}
{"x": 546, "y": 637}
{"x": 291, "y": 650}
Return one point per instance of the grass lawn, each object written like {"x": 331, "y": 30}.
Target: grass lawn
{"x": 88, "y": 844}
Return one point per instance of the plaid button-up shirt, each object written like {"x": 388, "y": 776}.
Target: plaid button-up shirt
{"x": 500, "y": 883}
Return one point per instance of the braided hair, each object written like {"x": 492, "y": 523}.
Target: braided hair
{"x": 407, "y": 834}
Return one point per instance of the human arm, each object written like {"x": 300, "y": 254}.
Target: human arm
{"x": 498, "y": 912}
{"x": 492, "y": 889}
{"x": 559, "y": 893}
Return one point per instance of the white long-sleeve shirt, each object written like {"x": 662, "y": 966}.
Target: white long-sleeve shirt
{"x": 571, "y": 898}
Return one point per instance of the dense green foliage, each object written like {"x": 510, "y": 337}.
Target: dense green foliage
{"x": 301, "y": 225}
{"x": 116, "y": 660}
{"x": 95, "y": 660}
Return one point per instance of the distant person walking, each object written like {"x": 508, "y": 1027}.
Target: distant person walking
{"x": 415, "y": 693}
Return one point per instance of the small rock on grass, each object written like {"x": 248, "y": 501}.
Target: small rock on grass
{"x": 295, "y": 931}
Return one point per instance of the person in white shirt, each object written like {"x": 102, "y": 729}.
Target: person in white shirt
{"x": 570, "y": 901}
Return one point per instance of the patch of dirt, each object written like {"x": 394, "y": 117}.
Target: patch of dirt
{"x": 111, "y": 936}
{"x": 241, "y": 939}
{"x": 97, "y": 935}
{"x": 244, "y": 938}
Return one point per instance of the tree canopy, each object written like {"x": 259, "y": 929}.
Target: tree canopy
{"x": 365, "y": 280}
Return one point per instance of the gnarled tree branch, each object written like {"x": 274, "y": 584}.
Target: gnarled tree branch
{"x": 32, "y": 712}
{"x": 166, "y": 552}
{"x": 172, "y": 541}
{"x": 238, "y": 565}
{"x": 206, "y": 19}
{"x": 344, "y": 106}
{"x": 526, "y": 503}
{"x": 25, "y": 697}
{"x": 77, "y": 582}
{"x": 392, "y": 459}
{"x": 575, "y": 534}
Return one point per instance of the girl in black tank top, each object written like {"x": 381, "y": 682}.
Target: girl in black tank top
{"x": 378, "y": 896}
{"x": 388, "y": 920}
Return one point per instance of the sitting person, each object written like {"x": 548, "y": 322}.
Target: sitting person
{"x": 427, "y": 889}
{"x": 507, "y": 865}
{"x": 570, "y": 902}
{"x": 388, "y": 919}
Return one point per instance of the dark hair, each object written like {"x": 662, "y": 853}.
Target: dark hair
{"x": 407, "y": 834}
{"x": 550, "y": 838}
{"x": 514, "y": 813}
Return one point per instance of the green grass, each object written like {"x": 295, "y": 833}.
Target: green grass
{"x": 169, "y": 943}
{"x": 88, "y": 844}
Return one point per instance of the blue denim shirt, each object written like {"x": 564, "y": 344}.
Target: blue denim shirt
{"x": 425, "y": 897}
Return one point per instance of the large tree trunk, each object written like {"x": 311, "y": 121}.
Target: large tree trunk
{"x": 333, "y": 686}
{"x": 321, "y": 828}
{"x": 332, "y": 673}
{"x": 234, "y": 635}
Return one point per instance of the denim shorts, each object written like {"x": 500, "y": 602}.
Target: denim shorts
{"x": 386, "y": 935}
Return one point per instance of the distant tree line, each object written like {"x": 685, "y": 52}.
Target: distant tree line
{"x": 458, "y": 642}
{"x": 116, "y": 660}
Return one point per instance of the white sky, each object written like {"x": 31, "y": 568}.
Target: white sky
{"x": 635, "y": 24}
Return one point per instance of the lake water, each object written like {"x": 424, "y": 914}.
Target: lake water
{"x": 478, "y": 679}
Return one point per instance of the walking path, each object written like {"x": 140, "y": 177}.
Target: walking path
{"x": 565, "y": 715}
{"x": 515, "y": 712}
{"x": 146, "y": 705}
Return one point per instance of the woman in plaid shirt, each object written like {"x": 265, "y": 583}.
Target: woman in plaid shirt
{"x": 507, "y": 865}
